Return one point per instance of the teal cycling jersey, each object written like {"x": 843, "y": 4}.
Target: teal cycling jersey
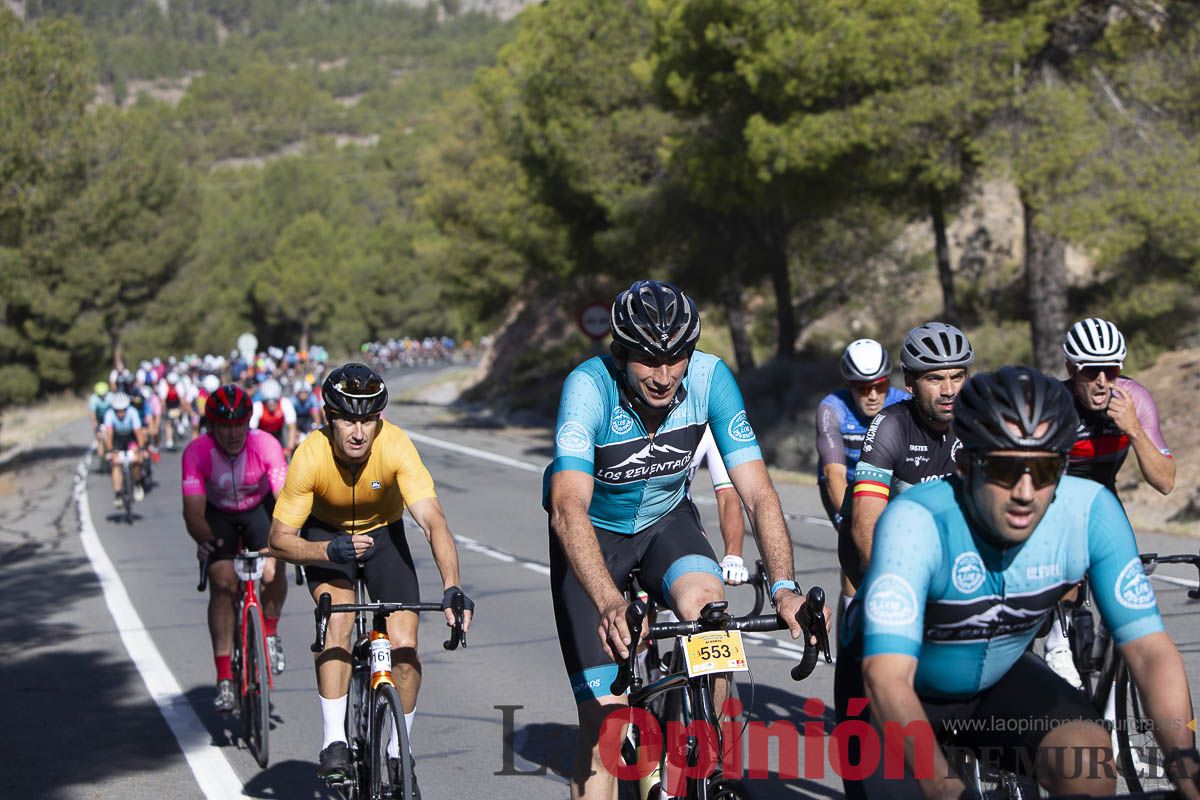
{"x": 966, "y": 610}
{"x": 639, "y": 479}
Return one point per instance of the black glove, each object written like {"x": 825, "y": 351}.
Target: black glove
{"x": 341, "y": 550}
{"x": 448, "y": 595}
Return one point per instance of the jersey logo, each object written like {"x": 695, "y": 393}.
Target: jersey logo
{"x": 986, "y": 617}
{"x": 892, "y": 601}
{"x": 739, "y": 428}
{"x": 376, "y": 485}
{"x": 573, "y": 437}
{"x": 1133, "y": 588}
{"x": 968, "y": 572}
{"x": 669, "y": 453}
{"x": 621, "y": 422}
{"x": 652, "y": 450}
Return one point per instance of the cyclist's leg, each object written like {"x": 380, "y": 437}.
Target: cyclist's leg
{"x": 391, "y": 577}
{"x": 222, "y": 589}
{"x": 589, "y": 670}
{"x": 332, "y": 663}
{"x": 256, "y": 526}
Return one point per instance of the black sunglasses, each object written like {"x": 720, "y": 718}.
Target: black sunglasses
{"x": 1090, "y": 373}
{"x": 1006, "y": 471}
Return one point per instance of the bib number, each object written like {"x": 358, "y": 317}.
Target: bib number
{"x": 715, "y": 651}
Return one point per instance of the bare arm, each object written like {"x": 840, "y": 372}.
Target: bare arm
{"x": 1133, "y": 410}
{"x": 867, "y": 511}
{"x": 1157, "y": 468}
{"x": 889, "y": 687}
{"x": 835, "y": 484}
{"x": 570, "y": 497}
{"x": 287, "y": 544}
{"x": 1157, "y": 669}
{"x": 733, "y": 524}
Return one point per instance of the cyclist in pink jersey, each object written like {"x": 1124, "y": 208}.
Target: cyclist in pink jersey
{"x": 230, "y": 478}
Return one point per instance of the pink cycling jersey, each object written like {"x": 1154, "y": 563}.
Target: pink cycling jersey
{"x": 234, "y": 484}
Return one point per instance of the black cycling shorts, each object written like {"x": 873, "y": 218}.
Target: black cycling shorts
{"x": 1003, "y": 725}
{"x": 239, "y": 530}
{"x": 670, "y": 548}
{"x": 387, "y": 569}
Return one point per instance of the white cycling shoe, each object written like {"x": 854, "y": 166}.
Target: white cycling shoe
{"x": 1063, "y": 664}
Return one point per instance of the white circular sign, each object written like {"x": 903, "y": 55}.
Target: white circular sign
{"x": 593, "y": 320}
{"x": 247, "y": 345}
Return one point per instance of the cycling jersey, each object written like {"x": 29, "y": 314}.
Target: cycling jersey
{"x": 235, "y": 484}
{"x": 273, "y": 421}
{"x": 369, "y": 497}
{"x": 639, "y": 479}
{"x": 841, "y": 429}
{"x": 303, "y": 410}
{"x": 900, "y": 450}
{"x": 1100, "y": 446}
{"x": 123, "y": 427}
{"x": 99, "y": 406}
{"x": 708, "y": 455}
{"x": 937, "y": 591}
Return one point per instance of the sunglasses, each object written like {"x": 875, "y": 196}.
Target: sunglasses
{"x": 866, "y": 389}
{"x": 359, "y": 387}
{"x": 1111, "y": 371}
{"x": 1007, "y": 471}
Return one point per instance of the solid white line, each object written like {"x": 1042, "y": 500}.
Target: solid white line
{"x": 1176, "y": 581}
{"x": 471, "y": 451}
{"x": 212, "y": 770}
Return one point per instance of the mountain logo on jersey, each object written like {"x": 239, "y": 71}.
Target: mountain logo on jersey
{"x": 983, "y": 618}
{"x": 573, "y": 437}
{"x": 892, "y": 601}
{"x": 968, "y": 572}
{"x": 1133, "y": 588}
{"x": 739, "y": 428}
{"x": 621, "y": 422}
{"x": 669, "y": 453}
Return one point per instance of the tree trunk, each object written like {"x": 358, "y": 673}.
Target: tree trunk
{"x": 118, "y": 349}
{"x": 781, "y": 281}
{"x": 739, "y": 320}
{"x": 304, "y": 333}
{"x": 1046, "y": 286}
{"x": 941, "y": 247}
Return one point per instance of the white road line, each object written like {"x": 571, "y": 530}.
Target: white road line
{"x": 471, "y": 451}
{"x": 1176, "y": 581}
{"x": 212, "y": 770}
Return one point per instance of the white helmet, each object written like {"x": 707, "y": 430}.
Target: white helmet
{"x": 211, "y": 383}
{"x": 301, "y": 387}
{"x": 1095, "y": 341}
{"x": 119, "y": 401}
{"x": 172, "y": 378}
{"x": 269, "y": 390}
{"x": 865, "y": 360}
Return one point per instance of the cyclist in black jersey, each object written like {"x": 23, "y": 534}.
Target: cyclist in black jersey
{"x": 910, "y": 442}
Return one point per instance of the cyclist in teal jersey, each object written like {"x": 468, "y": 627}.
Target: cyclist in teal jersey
{"x": 963, "y": 574}
{"x": 629, "y": 425}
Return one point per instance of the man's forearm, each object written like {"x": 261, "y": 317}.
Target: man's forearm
{"x": 288, "y": 545}
{"x": 577, "y": 536}
{"x": 893, "y": 700}
{"x": 445, "y": 554}
{"x": 867, "y": 512}
{"x": 733, "y": 524}
{"x": 774, "y": 540}
{"x": 1158, "y": 671}
{"x": 1157, "y": 468}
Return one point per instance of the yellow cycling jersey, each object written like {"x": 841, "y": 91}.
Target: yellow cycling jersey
{"x": 318, "y": 485}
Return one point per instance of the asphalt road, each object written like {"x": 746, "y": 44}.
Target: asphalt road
{"x": 83, "y": 723}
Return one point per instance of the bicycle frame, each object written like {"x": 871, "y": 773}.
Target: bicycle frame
{"x": 249, "y": 565}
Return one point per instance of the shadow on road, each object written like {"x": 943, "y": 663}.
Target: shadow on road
{"x": 40, "y": 454}
{"x": 290, "y": 779}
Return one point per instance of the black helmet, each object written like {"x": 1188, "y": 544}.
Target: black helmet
{"x": 1020, "y": 396}
{"x": 354, "y": 390}
{"x": 936, "y": 345}
{"x": 655, "y": 318}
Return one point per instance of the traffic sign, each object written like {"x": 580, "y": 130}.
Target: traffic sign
{"x": 247, "y": 345}
{"x": 593, "y": 320}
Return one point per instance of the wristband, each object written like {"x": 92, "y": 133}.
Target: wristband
{"x": 783, "y": 583}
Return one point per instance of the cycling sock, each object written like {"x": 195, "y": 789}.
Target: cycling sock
{"x": 270, "y": 625}
{"x": 224, "y": 667}
{"x": 393, "y": 747}
{"x": 1056, "y": 639}
{"x": 408, "y": 718}
{"x": 333, "y": 717}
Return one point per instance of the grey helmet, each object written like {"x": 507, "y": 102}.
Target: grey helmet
{"x": 865, "y": 360}
{"x": 936, "y": 345}
{"x": 1095, "y": 341}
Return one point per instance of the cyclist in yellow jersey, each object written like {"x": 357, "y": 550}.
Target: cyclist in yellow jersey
{"x": 340, "y": 514}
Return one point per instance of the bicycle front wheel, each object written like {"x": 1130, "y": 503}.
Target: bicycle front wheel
{"x": 1138, "y": 753}
{"x": 256, "y": 703}
{"x": 389, "y": 778}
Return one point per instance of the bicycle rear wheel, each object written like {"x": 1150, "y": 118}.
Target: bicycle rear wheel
{"x": 127, "y": 493}
{"x": 1138, "y": 753}
{"x": 256, "y": 702}
{"x": 387, "y": 719}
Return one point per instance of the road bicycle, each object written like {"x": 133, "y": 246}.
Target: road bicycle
{"x": 251, "y": 664}
{"x": 124, "y": 457}
{"x": 374, "y": 715}
{"x": 683, "y": 694}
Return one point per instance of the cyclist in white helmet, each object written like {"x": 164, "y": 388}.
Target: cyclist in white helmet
{"x": 275, "y": 414}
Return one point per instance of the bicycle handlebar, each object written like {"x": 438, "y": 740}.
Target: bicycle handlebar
{"x": 811, "y": 618}
{"x": 1194, "y": 560}
{"x": 325, "y": 608}
{"x": 203, "y": 575}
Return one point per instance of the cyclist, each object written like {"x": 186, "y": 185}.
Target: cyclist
{"x": 629, "y": 425}
{"x": 231, "y": 475}
{"x": 275, "y": 415}
{"x": 910, "y": 442}
{"x": 98, "y": 405}
{"x": 842, "y": 420}
{"x": 340, "y": 513}
{"x": 123, "y": 431}
{"x": 307, "y": 408}
{"x": 1115, "y": 415}
{"x": 965, "y": 571}
{"x": 170, "y": 392}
